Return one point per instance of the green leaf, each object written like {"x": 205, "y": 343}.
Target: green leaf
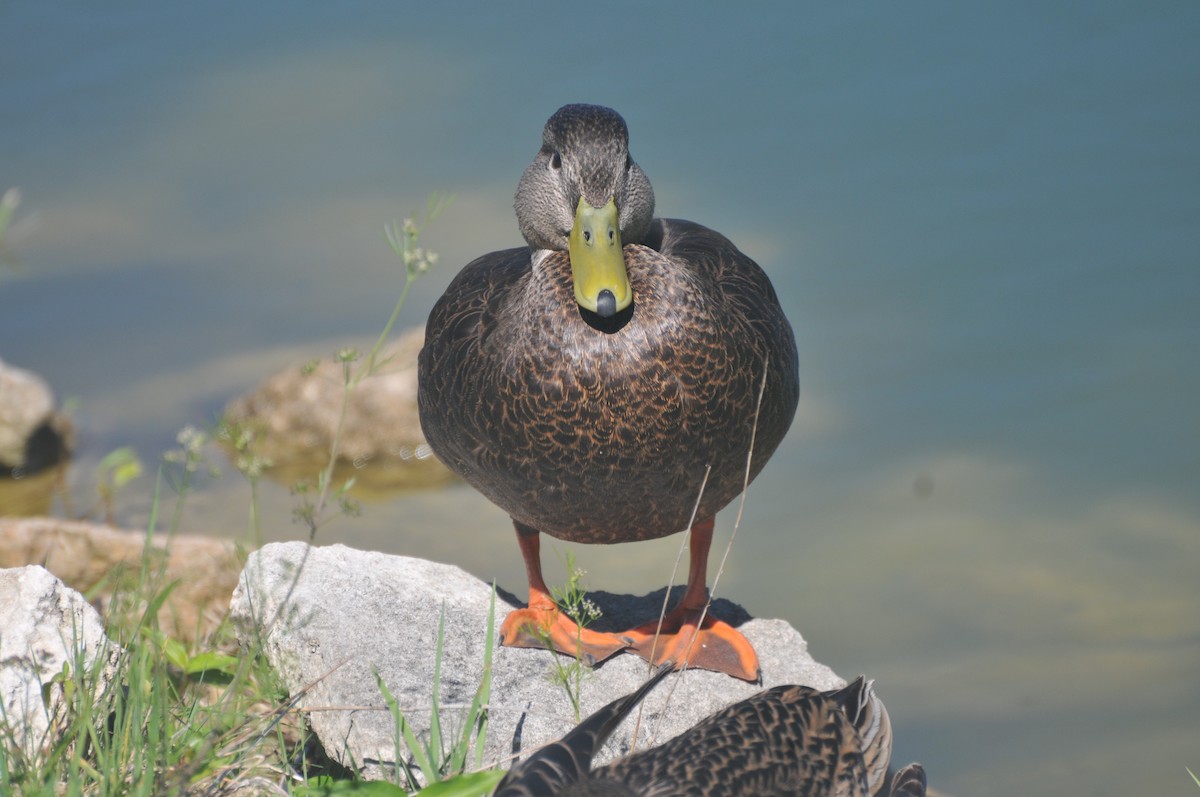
{"x": 121, "y": 466}
{"x": 476, "y": 784}
{"x": 125, "y": 473}
{"x": 175, "y": 652}
{"x": 211, "y": 661}
{"x": 63, "y": 679}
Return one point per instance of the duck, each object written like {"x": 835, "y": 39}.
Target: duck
{"x": 789, "y": 740}
{"x": 620, "y": 378}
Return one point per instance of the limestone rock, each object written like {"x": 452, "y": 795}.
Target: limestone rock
{"x": 329, "y": 618}
{"x": 45, "y": 625}
{"x": 382, "y": 445}
{"x": 85, "y": 554}
{"x": 32, "y": 435}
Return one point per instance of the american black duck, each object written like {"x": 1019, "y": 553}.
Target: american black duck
{"x": 585, "y": 383}
{"x": 790, "y": 740}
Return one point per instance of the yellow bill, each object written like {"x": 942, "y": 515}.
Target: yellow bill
{"x": 597, "y": 262}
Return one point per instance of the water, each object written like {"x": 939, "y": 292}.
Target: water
{"x": 983, "y": 224}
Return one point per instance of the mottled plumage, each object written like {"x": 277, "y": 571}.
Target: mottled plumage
{"x": 790, "y": 740}
{"x": 598, "y": 425}
{"x": 599, "y": 431}
{"x": 568, "y": 761}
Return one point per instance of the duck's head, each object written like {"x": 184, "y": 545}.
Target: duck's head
{"x": 584, "y": 194}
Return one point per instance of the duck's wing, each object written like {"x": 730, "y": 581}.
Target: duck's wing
{"x": 909, "y": 782}
{"x": 869, "y": 717}
{"x": 870, "y": 720}
{"x": 786, "y": 741}
{"x": 568, "y": 761}
{"x": 456, "y": 360}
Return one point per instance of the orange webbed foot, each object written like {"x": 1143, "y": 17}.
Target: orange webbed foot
{"x": 548, "y": 627}
{"x": 708, "y": 645}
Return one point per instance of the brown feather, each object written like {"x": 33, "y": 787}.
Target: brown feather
{"x": 789, "y": 741}
{"x": 599, "y": 431}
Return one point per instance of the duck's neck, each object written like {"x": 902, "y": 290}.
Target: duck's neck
{"x": 537, "y": 256}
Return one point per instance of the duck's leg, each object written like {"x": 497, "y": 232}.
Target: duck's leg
{"x": 682, "y": 637}
{"x": 542, "y": 624}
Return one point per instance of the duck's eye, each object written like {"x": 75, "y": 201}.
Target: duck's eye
{"x": 555, "y": 162}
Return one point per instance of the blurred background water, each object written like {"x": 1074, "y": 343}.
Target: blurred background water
{"x": 983, "y": 224}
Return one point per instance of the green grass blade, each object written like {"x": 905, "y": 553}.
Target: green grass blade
{"x": 478, "y": 720}
{"x": 435, "y": 722}
{"x": 476, "y": 784}
{"x": 419, "y": 752}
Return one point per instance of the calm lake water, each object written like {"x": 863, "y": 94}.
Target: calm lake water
{"x": 983, "y": 223}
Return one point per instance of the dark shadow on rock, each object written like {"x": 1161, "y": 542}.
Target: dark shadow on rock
{"x": 622, "y": 612}
{"x": 46, "y": 447}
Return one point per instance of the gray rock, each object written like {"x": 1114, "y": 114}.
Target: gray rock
{"x": 32, "y": 435}
{"x": 297, "y": 413}
{"x": 43, "y": 625}
{"x": 329, "y": 618}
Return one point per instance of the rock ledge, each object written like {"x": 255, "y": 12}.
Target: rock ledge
{"x": 330, "y": 618}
